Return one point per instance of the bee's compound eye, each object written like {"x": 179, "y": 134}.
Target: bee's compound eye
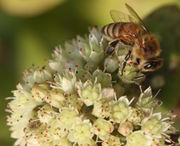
{"x": 153, "y": 65}
{"x": 148, "y": 65}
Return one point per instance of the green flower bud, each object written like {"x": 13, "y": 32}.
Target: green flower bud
{"x": 89, "y": 93}
{"x": 130, "y": 74}
{"x": 84, "y": 48}
{"x": 83, "y": 75}
{"x": 94, "y": 39}
{"x": 146, "y": 101}
{"x": 120, "y": 110}
{"x": 152, "y": 126}
{"x": 156, "y": 125}
{"x": 103, "y": 78}
{"x": 111, "y": 64}
{"x": 59, "y": 61}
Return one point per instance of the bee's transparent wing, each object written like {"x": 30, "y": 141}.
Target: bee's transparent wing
{"x": 118, "y": 16}
{"x": 136, "y": 16}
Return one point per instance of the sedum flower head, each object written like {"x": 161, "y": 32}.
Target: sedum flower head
{"x": 80, "y": 98}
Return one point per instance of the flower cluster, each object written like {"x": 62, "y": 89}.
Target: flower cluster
{"x": 79, "y": 98}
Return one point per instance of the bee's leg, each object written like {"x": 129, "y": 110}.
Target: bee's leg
{"x": 112, "y": 46}
{"x": 128, "y": 55}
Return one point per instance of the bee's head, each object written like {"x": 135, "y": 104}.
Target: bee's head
{"x": 152, "y": 65}
{"x": 150, "y": 45}
{"x": 147, "y": 46}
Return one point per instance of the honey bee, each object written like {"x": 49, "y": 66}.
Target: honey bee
{"x": 131, "y": 30}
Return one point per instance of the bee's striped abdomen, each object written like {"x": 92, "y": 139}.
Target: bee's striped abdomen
{"x": 113, "y": 30}
{"x": 107, "y": 30}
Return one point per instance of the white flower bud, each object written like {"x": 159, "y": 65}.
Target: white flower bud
{"x": 67, "y": 117}
{"x": 138, "y": 138}
{"x": 136, "y": 116}
{"x": 65, "y": 83}
{"x": 81, "y": 133}
{"x": 36, "y": 75}
{"x": 112, "y": 141}
{"x": 103, "y": 78}
{"x": 55, "y": 98}
{"x": 103, "y": 128}
{"x": 39, "y": 92}
{"x": 120, "y": 110}
{"x": 125, "y": 128}
{"x": 45, "y": 114}
{"x": 62, "y": 142}
{"x": 101, "y": 108}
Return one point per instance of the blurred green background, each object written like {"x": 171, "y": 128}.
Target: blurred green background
{"x": 29, "y": 31}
